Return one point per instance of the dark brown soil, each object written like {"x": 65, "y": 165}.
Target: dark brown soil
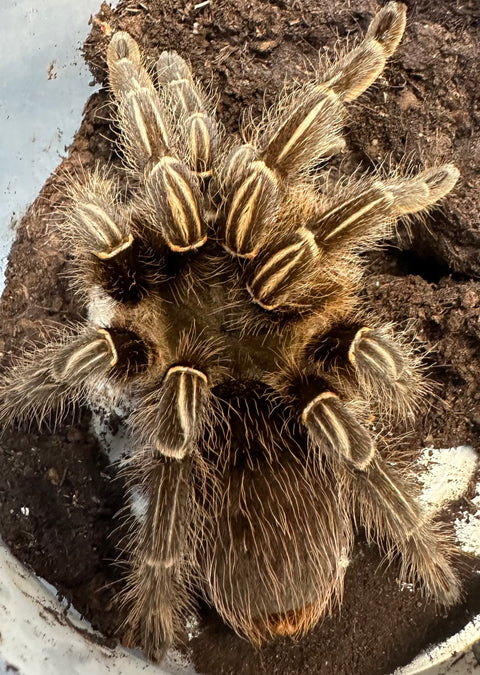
{"x": 426, "y": 104}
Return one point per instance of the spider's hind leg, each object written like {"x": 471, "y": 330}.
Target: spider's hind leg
{"x": 385, "y": 368}
{"x": 169, "y": 417}
{"x": 156, "y": 598}
{"x": 384, "y": 499}
{"x": 74, "y": 367}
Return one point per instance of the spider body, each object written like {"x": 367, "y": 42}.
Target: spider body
{"x": 234, "y": 332}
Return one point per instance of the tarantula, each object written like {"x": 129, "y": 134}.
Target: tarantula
{"x": 223, "y": 291}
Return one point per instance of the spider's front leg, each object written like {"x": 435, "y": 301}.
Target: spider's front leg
{"x": 169, "y": 138}
{"x": 308, "y": 263}
{"x": 303, "y": 129}
{"x": 191, "y": 111}
{"x": 354, "y": 71}
{"x": 296, "y": 244}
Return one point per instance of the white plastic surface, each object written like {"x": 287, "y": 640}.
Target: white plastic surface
{"x": 40, "y": 637}
{"x": 44, "y": 84}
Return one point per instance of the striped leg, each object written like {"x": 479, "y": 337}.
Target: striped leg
{"x": 106, "y": 250}
{"x": 192, "y": 112}
{"x": 172, "y": 212}
{"x": 359, "y": 214}
{"x": 156, "y": 595}
{"x": 250, "y": 202}
{"x": 386, "y": 368}
{"x": 305, "y": 127}
{"x": 385, "y": 500}
{"x": 70, "y": 368}
{"x": 145, "y": 134}
{"x": 174, "y": 205}
{"x": 356, "y": 70}
{"x": 171, "y": 412}
{"x": 288, "y": 270}
{"x": 285, "y": 270}
{"x": 168, "y": 418}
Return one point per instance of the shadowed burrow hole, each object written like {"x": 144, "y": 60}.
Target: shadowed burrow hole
{"x": 401, "y": 263}
{"x": 429, "y": 267}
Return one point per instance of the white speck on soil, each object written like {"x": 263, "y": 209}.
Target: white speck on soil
{"x": 467, "y": 527}
{"x": 192, "y": 627}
